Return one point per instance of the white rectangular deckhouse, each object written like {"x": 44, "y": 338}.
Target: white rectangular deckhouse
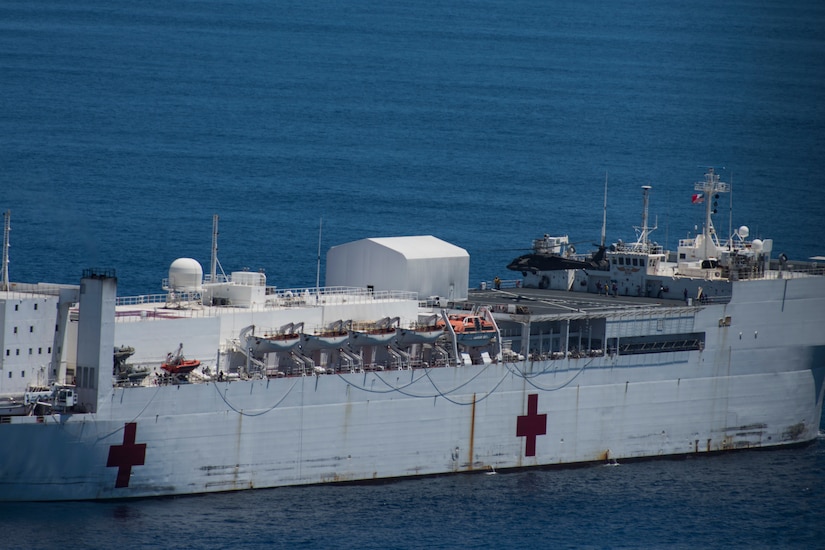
{"x": 423, "y": 264}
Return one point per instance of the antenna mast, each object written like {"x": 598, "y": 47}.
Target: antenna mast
{"x": 643, "y": 238}
{"x": 6, "y": 232}
{"x": 213, "y": 271}
{"x": 730, "y": 215}
{"x": 604, "y": 214}
{"x": 318, "y": 270}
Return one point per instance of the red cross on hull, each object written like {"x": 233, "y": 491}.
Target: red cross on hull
{"x": 532, "y": 424}
{"x": 127, "y": 455}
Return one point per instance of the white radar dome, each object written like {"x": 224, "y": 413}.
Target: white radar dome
{"x": 185, "y": 274}
{"x": 744, "y": 231}
{"x": 756, "y": 245}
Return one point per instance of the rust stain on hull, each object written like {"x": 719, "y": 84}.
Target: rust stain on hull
{"x": 793, "y": 433}
{"x": 472, "y": 432}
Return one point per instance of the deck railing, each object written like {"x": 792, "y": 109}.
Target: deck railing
{"x": 189, "y": 305}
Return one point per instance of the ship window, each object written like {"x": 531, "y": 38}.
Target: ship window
{"x": 15, "y": 330}
{"x": 30, "y": 351}
{"x": 642, "y": 262}
{"x": 17, "y": 351}
{"x": 16, "y": 308}
{"x": 31, "y": 329}
{"x": 39, "y": 351}
{"x": 682, "y": 256}
{"x": 49, "y": 350}
{"x": 35, "y": 307}
{"x": 614, "y": 261}
{"x": 22, "y": 374}
{"x": 635, "y": 261}
{"x": 621, "y": 261}
{"x": 632, "y": 345}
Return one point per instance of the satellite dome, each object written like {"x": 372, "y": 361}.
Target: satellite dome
{"x": 186, "y": 275}
{"x": 757, "y": 245}
{"x": 744, "y": 231}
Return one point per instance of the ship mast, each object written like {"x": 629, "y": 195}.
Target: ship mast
{"x": 6, "y": 233}
{"x": 318, "y": 269}
{"x": 646, "y": 194}
{"x": 213, "y": 272}
{"x": 604, "y": 213}
{"x": 710, "y": 188}
{"x": 642, "y": 244}
{"x": 730, "y": 215}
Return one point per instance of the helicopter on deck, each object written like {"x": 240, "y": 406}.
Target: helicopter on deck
{"x": 557, "y": 253}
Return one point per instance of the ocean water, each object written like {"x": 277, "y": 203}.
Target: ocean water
{"x": 126, "y": 126}
{"x": 760, "y": 499}
{"x": 487, "y": 124}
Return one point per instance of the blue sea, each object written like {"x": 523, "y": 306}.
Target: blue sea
{"x": 124, "y": 127}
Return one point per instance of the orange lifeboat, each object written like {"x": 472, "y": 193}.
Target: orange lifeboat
{"x": 470, "y": 330}
{"x": 183, "y": 366}
{"x": 177, "y": 364}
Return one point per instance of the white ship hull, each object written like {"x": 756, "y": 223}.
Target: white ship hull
{"x": 762, "y": 389}
{"x": 317, "y": 430}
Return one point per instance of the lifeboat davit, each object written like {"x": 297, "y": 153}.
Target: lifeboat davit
{"x": 425, "y": 332}
{"x": 284, "y": 339}
{"x": 377, "y": 334}
{"x": 332, "y": 337}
